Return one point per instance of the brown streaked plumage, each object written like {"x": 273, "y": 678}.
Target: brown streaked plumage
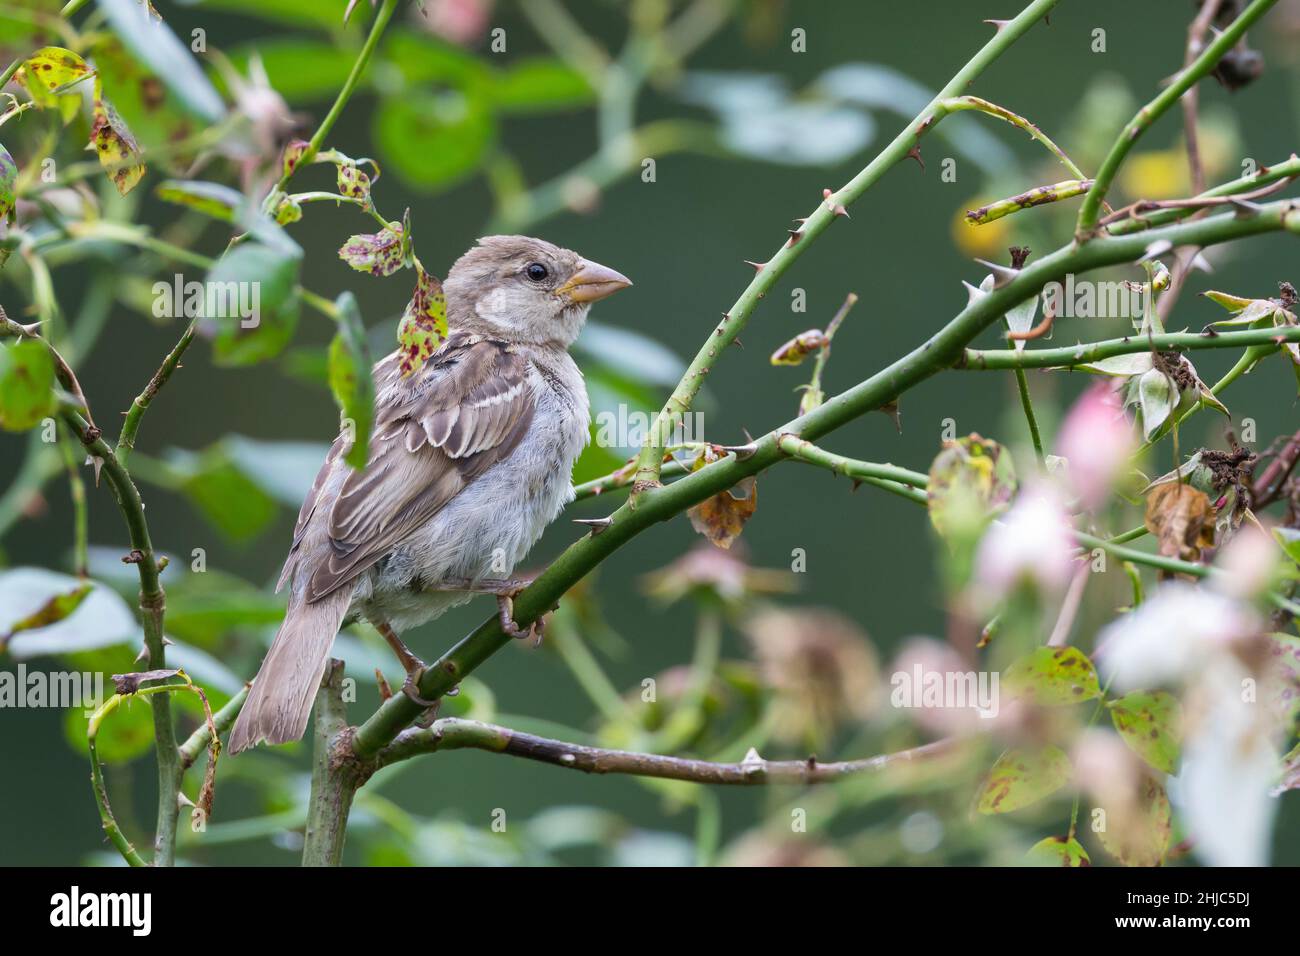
{"x": 470, "y": 458}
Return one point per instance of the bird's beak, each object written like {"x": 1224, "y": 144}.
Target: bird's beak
{"x": 593, "y": 282}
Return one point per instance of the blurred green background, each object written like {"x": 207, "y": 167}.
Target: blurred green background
{"x": 780, "y": 125}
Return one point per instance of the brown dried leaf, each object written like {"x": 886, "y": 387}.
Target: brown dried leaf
{"x": 1182, "y": 519}
{"x": 722, "y": 517}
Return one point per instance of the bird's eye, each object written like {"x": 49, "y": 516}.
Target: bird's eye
{"x": 536, "y": 272}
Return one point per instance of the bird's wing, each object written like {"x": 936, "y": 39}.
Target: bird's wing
{"x": 467, "y": 409}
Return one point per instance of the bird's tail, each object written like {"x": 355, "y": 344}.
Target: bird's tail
{"x": 281, "y": 697}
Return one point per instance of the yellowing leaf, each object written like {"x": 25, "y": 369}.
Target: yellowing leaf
{"x": 1137, "y": 834}
{"x": 8, "y": 183}
{"x": 117, "y": 149}
{"x": 971, "y": 481}
{"x": 1150, "y": 723}
{"x": 1058, "y": 851}
{"x": 1053, "y": 676}
{"x": 52, "y": 611}
{"x": 353, "y": 182}
{"x": 800, "y": 347}
{"x": 1020, "y": 778}
{"x": 423, "y": 328}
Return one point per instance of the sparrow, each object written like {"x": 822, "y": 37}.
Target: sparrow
{"x": 471, "y": 457}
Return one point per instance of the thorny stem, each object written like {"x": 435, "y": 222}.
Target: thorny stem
{"x": 349, "y": 86}
{"x": 126, "y": 440}
{"x": 832, "y": 207}
{"x": 454, "y": 733}
{"x": 959, "y": 103}
{"x": 1074, "y": 356}
{"x": 152, "y": 604}
{"x": 1185, "y": 80}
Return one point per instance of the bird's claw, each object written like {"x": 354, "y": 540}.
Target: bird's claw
{"x": 506, "y": 617}
{"x": 411, "y": 688}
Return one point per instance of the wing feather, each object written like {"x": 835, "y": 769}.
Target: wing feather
{"x": 467, "y": 410}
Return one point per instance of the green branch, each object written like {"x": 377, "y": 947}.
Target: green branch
{"x": 1073, "y": 356}
{"x": 940, "y": 351}
{"x": 153, "y": 604}
{"x": 1185, "y": 80}
{"x": 126, "y": 440}
{"x": 832, "y": 207}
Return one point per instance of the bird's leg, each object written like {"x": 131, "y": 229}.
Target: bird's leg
{"x": 413, "y": 666}
{"x": 505, "y": 590}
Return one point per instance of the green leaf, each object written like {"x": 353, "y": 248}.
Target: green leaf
{"x": 423, "y": 328}
{"x": 1123, "y": 365}
{"x": 1053, "y": 676}
{"x": 211, "y": 199}
{"x": 1233, "y": 303}
{"x": 300, "y": 70}
{"x": 55, "y": 609}
{"x": 51, "y": 613}
{"x": 540, "y": 84}
{"x": 1058, "y": 851}
{"x": 1289, "y": 539}
{"x": 223, "y": 493}
{"x": 1140, "y": 837}
{"x": 350, "y": 378}
{"x": 153, "y": 44}
{"x": 972, "y": 480}
{"x": 1151, "y": 724}
{"x": 26, "y": 385}
{"x": 8, "y": 184}
{"x": 1157, "y": 398}
{"x": 254, "y": 290}
{"x": 431, "y": 141}
{"x": 1020, "y": 778}
{"x": 124, "y": 735}
{"x": 1284, "y": 676}
{"x": 379, "y": 254}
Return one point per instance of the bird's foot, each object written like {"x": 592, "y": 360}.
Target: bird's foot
{"x": 506, "y": 616}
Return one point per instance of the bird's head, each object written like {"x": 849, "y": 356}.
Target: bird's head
{"x": 526, "y": 290}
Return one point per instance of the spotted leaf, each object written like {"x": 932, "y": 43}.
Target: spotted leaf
{"x": 8, "y": 182}
{"x": 118, "y": 151}
{"x": 423, "y": 328}
{"x": 379, "y": 254}
{"x": 1058, "y": 851}
{"x": 1053, "y": 676}
{"x": 1150, "y": 723}
{"x": 1020, "y": 778}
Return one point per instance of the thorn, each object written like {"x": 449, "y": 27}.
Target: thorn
{"x": 385, "y": 691}
{"x": 748, "y": 437}
{"x": 1157, "y": 248}
{"x": 737, "y": 342}
{"x": 841, "y": 211}
{"x": 795, "y": 235}
{"x": 597, "y": 525}
{"x": 1245, "y": 207}
{"x": 998, "y": 25}
{"x": 857, "y": 483}
{"x": 1201, "y": 263}
{"x": 801, "y": 220}
{"x": 973, "y": 294}
{"x": 758, "y": 266}
{"x": 134, "y": 557}
{"x": 915, "y": 153}
{"x": 1001, "y": 274}
{"x": 742, "y": 452}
